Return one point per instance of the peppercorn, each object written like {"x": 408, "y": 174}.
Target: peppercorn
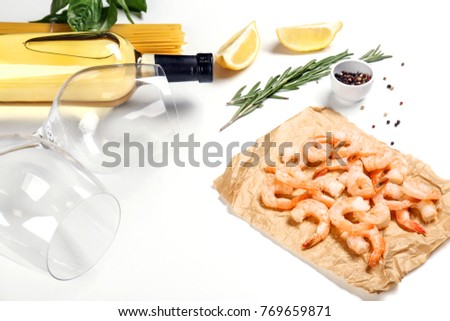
{"x": 388, "y": 122}
{"x": 351, "y": 78}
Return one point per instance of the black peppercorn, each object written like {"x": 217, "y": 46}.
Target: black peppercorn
{"x": 352, "y": 78}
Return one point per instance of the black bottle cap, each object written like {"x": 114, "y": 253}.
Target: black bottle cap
{"x": 187, "y": 68}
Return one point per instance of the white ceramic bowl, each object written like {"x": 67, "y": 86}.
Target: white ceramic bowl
{"x": 351, "y": 92}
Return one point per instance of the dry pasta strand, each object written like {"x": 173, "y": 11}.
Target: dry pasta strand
{"x": 146, "y": 38}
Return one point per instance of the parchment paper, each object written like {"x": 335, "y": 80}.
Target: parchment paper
{"x": 240, "y": 187}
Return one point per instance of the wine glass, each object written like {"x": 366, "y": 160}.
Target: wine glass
{"x": 55, "y": 216}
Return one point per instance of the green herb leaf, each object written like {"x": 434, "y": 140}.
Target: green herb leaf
{"x": 108, "y": 18}
{"x": 124, "y": 6}
{"x": 54, "y": 18}
{"x": 137, "y": 5}
{"x": 291, "y": 79}
{"x": 90, "y": 15}
{"x": 58, "y": 5}
{"x": 238, "y": 93}
{"x": 83, "y": 15}
{"x": 374, "y": 55}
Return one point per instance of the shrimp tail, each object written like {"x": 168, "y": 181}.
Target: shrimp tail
{"x": 378, "y": 248}
{"x": 375, "y": 258}
{"x": 405, "y": 222}
{"x": 270, "y": 169}
{"x": 377, "y": 243}
{"x": 380, "y": 183}
{"x": 316, "y": 238}
{"x": 414, "y": 227}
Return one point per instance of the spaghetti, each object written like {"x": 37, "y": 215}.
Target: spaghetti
{"x": 145, "y": 38}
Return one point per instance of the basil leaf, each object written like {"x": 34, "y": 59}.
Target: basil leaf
{"x": 108, "y": 18}
{"x": 90, "y": 15}
{"x": 123, "y": 5}
{"x": 137, "y": 5}
{"x": 83, "y": 14}
{"x": 54, "y": 18}
{"x": 58, "y": 5}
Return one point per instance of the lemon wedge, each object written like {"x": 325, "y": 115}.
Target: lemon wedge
{"x": 308, "y": 37}
{"x": 240, "y": 50}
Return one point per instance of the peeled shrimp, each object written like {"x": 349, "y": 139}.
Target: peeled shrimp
{"x": 427, "y": 210}
{"x": 344, "y": 206}
{"x": 359, "y": 184}
{"x": 416, "y": 188}
{"x": 330, "y": 185}
{"x": 393, "y": 191}
{"x": 404, "y": 220}
{"x": 378, "y": 178}
{"x": 355, "y": 165}
{"x": 317, "y": 149}
{"x": 330, "y": 165}
{"x": 379, "y": 215}
{"x": 291, "y": 153}
{"x": 273, "y": 195}
{"x": 349, "y": 144}
{"x": 291, "y": 175}
{"x": 379, "y": 160}
{"x": 318, "y": 195}
{"x": 356, "y": 243}
{"x": 392, "y": 204}
{"x": 316, "y": 209}
{"x": 377, "y": 242}
{"x": 397, "y": 170}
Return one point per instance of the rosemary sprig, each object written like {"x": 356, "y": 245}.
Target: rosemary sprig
{"x": 374, "y": 55}
{"x": 291, "y": 79}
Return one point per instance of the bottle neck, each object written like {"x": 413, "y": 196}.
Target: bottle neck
{"x": 145, "y": 58}
{"x": 183, "y": 67}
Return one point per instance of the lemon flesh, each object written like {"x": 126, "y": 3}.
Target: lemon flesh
{"x": 309, "y": 37}
{"x": 240, "y": 50}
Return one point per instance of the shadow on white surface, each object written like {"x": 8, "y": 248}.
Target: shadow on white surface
{"x": 222, "y": 74}
{"x": 279, "y": 49}
{"x": 339, "y": 104}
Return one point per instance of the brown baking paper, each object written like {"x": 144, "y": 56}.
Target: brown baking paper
{"x": 240, "y": 187}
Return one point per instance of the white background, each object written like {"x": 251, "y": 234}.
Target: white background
{"x": 178, "y": 241}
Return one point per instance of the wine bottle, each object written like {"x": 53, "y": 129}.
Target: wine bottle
{"x": 34, "y": 66}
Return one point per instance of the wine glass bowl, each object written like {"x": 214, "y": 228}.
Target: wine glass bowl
{"x": 55, "y": 216}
